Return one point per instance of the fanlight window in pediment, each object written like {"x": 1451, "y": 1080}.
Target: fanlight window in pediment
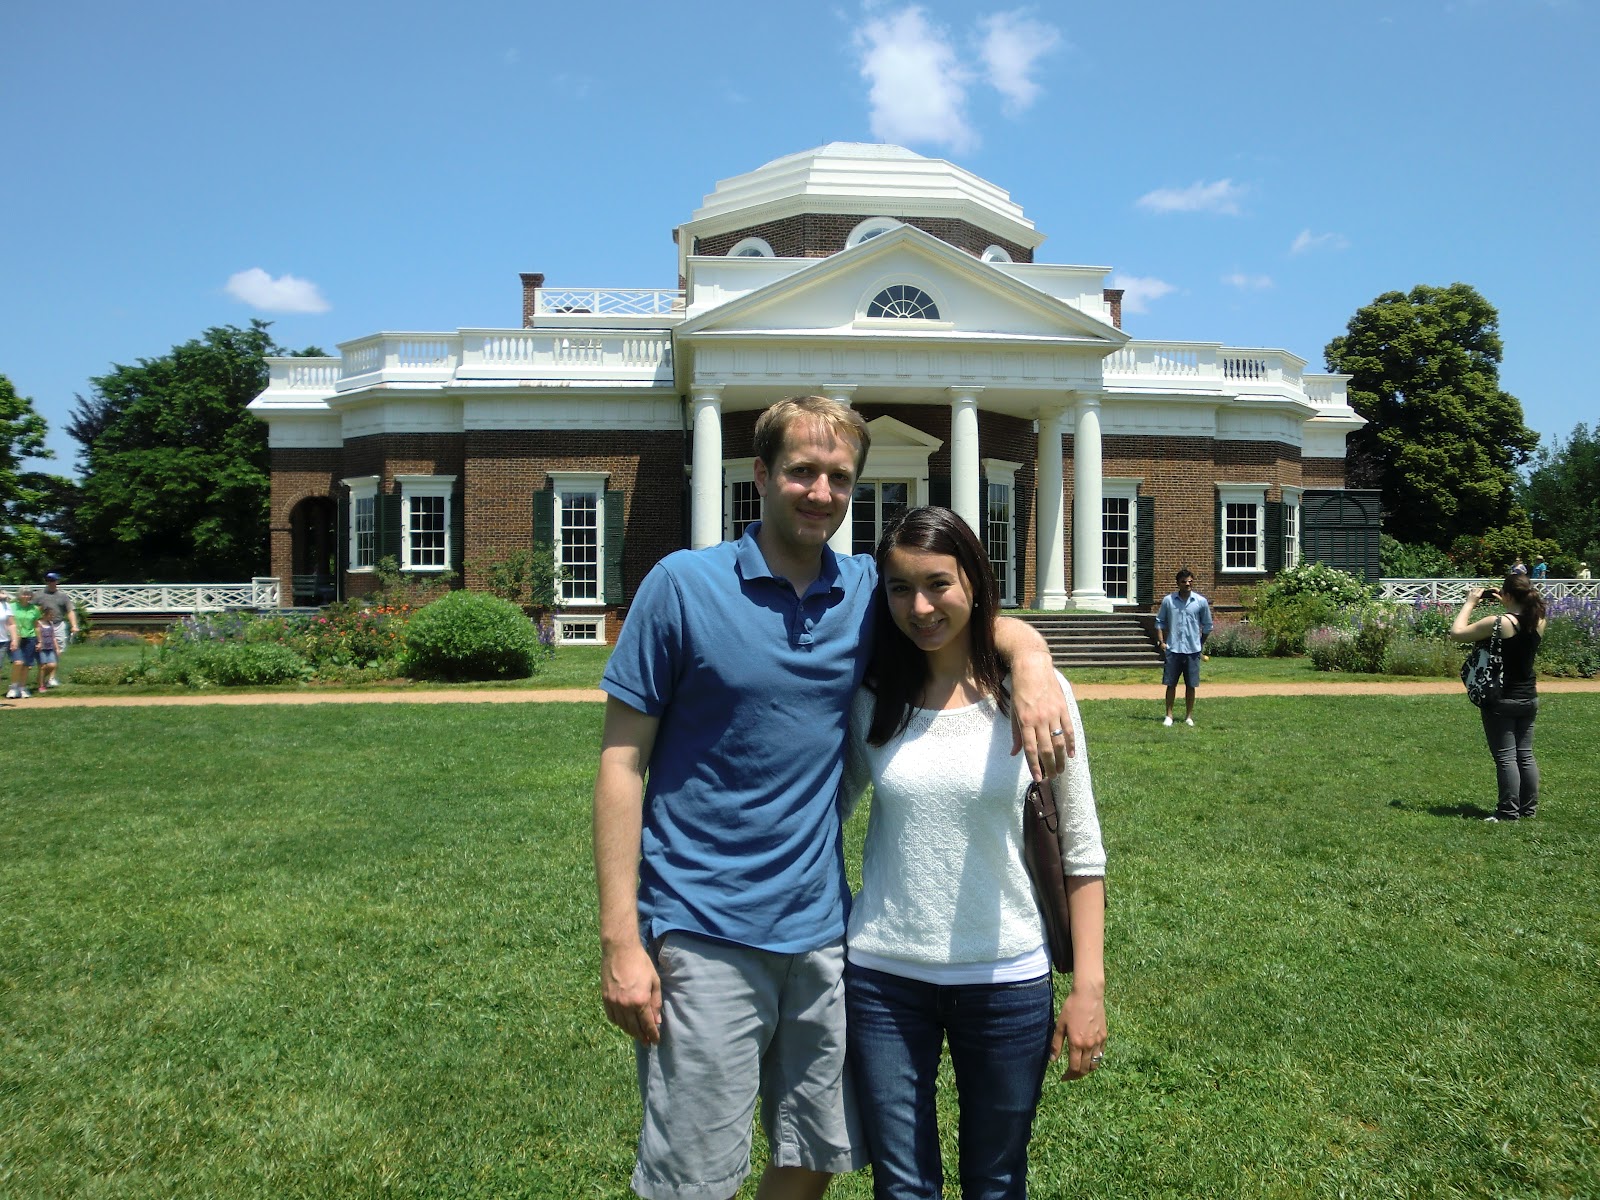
{"x": 902, "y": 301}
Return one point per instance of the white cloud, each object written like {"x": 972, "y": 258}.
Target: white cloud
{"x": 1254, "y": 283}
{"x": 1221, "y": 197}
{"x": 1012, "y": 45}
{"x": 1139, "y": 291}
{"x": 1319, "y": 241}
{"x": 286, "y": 294}
{"x": 918, "y": 88}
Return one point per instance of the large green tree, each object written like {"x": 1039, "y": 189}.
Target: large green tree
{"x": 175, "y": 471}
{"x": 1562, "y": 493}
{"x": 1442, "y": 441}
{"x": 32, "y": 502}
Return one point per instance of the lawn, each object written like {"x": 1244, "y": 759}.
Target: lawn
{"x": 329, "y": 952}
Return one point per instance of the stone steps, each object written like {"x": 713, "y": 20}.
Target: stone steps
{"x": 1098, "y": 639}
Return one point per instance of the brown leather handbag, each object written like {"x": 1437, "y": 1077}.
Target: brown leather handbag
{"x": 1041, "y": 849}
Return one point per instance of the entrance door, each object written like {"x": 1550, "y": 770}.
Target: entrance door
{"x": 875, "y": 504}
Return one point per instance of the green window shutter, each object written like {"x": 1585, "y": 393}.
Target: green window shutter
{"x": 544, "y": 517}
{"x": 1145, "y": 532}
{"x": 458, "y": 536}
{"x": 1219, "y": 536}
{"x": 388, "y": 514}
{"x": 544, "y": 528}
{"x": 615, "y": 524}
{"x": 341, "y": 533}
{"x": 1273, "y": 520}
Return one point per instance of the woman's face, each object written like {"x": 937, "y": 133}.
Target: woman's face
{"x": 929, "y": 598}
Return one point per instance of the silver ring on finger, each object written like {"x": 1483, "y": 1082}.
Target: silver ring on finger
{"x": 1058, "y": 733}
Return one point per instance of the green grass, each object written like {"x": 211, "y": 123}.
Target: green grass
{"x": 325, "y": 952}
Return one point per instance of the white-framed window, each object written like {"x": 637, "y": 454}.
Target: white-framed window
{"x": 743, "y": 502}
{"x": 875, "y": 503}
{"x": 579, "y": 630}
{"x": 580, "y": 529}
{"x": 999, "y": 533}
{"x": 869, "y": 229}
{"x": 996, "y": 254}
{"x": 752, "y": 247}
{"x": 425, "y": 521}
{"x": 1291, "y": 527}
{"x": 1119, "y": 539}
{"x": 363, "y": 532}
{"x": 1243, "y": 526}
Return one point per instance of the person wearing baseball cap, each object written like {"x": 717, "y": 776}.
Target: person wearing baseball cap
{"x": 60, "y": 610}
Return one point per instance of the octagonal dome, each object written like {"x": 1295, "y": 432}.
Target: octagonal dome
{"x": 861, "y": 177}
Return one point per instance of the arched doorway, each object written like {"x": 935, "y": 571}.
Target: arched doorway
{"x": 313, "y": 550}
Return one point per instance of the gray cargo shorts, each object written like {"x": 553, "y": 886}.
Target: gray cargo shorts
{"x": 738, "y": 1023}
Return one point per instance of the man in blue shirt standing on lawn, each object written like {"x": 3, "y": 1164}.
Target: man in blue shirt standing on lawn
{"x": 722, "y": 890}
{"x": 1182, "y": 626}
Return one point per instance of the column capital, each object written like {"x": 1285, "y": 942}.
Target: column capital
{"x": 1086, "y": 401}
{"x": 964, "y": 392}
{"x": 839, "y": 392}
{"x": 706, "y": 393}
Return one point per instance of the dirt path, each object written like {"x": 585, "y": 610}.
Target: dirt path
{"x": 1085, "y": 691}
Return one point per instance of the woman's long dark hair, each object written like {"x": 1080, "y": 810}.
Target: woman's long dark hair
{"x": 1519, "y": 588}
{"x": 899, "y": 670}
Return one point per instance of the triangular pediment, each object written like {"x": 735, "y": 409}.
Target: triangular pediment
{"x": 832, "y": 297}
{"x": 888, "y": 432}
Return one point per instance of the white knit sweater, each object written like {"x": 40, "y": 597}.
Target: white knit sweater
{"x": 943, "y": 879}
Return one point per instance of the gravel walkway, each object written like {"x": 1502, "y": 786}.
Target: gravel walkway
{"x": 1085, "y": 691}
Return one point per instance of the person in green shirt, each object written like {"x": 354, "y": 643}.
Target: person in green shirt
{"x": 24, "y": 642}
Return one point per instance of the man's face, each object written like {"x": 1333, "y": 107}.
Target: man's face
{"x": 807, "y": 490}
{"x": 1185, "y": 585}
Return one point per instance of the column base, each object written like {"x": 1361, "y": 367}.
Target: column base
{"x": 1052, "y": 601}
{"x": 1090, "y": 601}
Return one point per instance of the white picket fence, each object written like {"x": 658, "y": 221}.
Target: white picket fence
{"x": 1454, "y": 591}
{"x": 135, "y": 599}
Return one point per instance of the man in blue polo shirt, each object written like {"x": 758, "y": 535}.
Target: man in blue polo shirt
{"x": 722, "y": 890}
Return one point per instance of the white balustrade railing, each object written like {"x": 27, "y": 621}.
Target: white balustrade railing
{"x": 609, "y": 302}
{"x": 303, "y": 374}
{"x": 109, "y": 599}
{"x": 1203, "y": 362}
{"x": 1326, "y": 391}
{"x": 1454, "y": 591}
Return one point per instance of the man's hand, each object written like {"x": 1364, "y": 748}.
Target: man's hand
{"x": 631, "y": 990}
{"x": 1041, "y": 724}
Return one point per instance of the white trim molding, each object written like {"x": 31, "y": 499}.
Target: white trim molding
{"x": 362, "y": 487}
{"x": 416, "y": 487}
{"x": 1254, "y": 495}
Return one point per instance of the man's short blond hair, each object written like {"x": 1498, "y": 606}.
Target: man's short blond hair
{"x": 840, "y": 419}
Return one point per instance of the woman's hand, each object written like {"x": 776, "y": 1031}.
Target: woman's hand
{"x": 1080, "y": 1031}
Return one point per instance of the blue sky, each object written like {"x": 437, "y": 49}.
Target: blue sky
{"x": 1253, "y": 172}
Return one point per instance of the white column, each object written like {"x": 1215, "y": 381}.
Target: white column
{"x": 842, "y": 539}
{"x": 705, "y": 523}
{"x": 1050, "y": 536}
{"x": 1088, "y": 568}
{"x": 965, "y": 474}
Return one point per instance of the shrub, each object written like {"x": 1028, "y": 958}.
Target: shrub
{"x": 1402, "y": 560}
{"x": 238, "y": 663}
{"x": 1329, "y": 648}
{"x": 1284, "y": 621}
{"x": 1237, "y": 639}
{"x": 101, "y": 674}
{"x": 1360, "y": 648}
{"x": 1411, "y": 655}
{"x": 1431, "y": 619}
{"x": 471, "y": 635}
{"x": 1571, "y": 643}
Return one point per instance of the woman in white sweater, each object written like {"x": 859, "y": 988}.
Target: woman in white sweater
{"x": 945, "y": 938}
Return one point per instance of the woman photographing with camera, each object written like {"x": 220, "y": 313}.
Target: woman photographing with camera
{"x": 945, "y": 940}
{"x": 1508, "y": 721}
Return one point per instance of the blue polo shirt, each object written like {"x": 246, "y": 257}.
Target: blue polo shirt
{"x": 752, "y": 685}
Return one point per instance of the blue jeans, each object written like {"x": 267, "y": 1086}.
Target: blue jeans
{"x": 999, "y": 1046}
{"x": 1508, "y": 727}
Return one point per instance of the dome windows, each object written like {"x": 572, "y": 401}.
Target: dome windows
{"x": 752, "y": 247}
{"x": 870, "y": 228}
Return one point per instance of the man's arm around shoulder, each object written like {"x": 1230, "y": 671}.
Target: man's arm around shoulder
{"x": 629, "y": 985}
{"x": 1041, "y": 725}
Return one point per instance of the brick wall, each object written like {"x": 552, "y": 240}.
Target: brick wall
{"x": 296, "y": 475}
{"x": 817, "y": 235}
{"x": 1323, "y": 472}
{"x": 505, "y": 468}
